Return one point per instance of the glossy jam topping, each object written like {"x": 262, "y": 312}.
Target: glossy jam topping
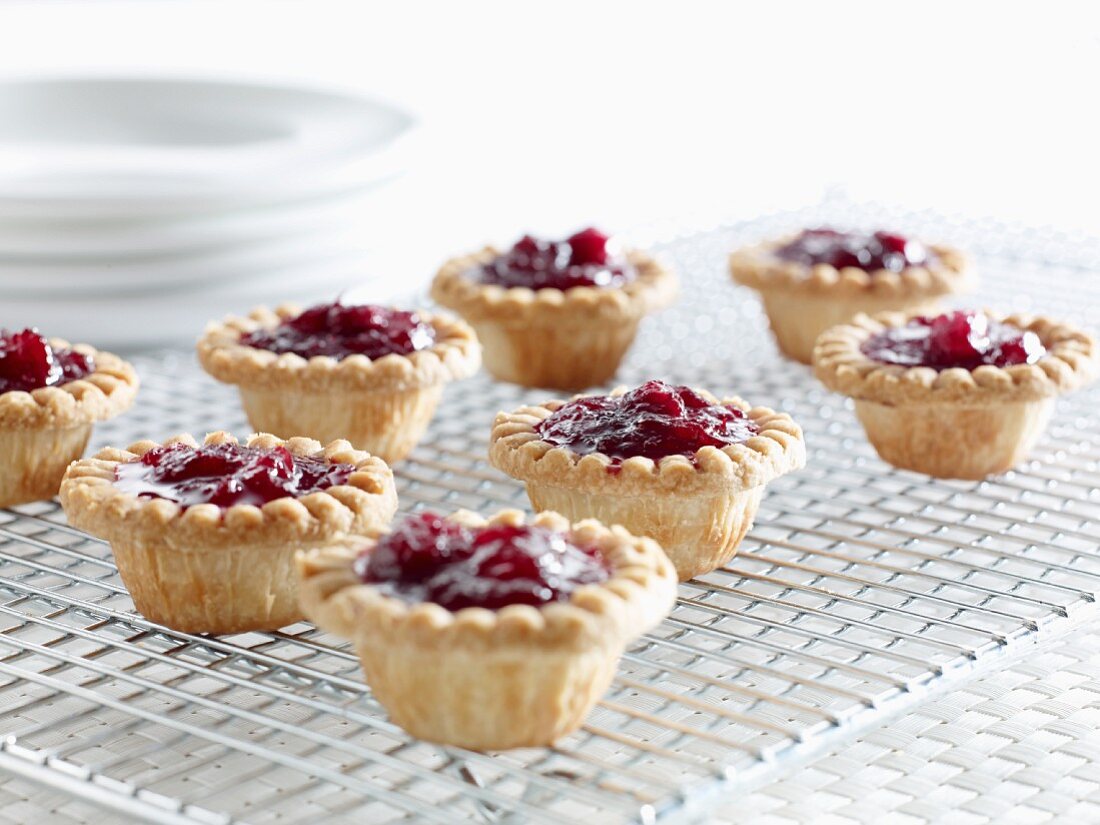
{"x": 955, "y": 339}
{"x": 869, "y": 252}
{"x": 587, "y": 258}
{"x": 427, "y": 558}
{"x": 338, "y": 331}
{"x": 654, "y": 420}
{"x": 227, "y": 474}
{"x": 28, "y": 362}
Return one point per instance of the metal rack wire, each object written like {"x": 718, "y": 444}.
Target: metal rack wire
{"x": 860, "y": 591}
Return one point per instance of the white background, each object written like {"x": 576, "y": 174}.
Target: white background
{"x": 548, "y": 116}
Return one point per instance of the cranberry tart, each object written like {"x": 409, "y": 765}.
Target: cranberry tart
{"x": 958, "y": 395}
{"x": 823, "y": 277}
{"x": 370, "y": 374}
{"x": 671, "y": 463}
{"x": 555, "y": 314}
{"x": 51, "y": 395}
{"x": 489, "y": 634}
{"x": 205, "y": 535}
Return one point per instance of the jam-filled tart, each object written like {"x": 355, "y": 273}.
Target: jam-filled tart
{"x": 489, "y": 634}
{"x": 555, "y": 313}
{"x": 672, "y": 463}
{"x": 819, "y": 278}
{"x": 51, "y": 395}
{"x": 205, "y": 535}
{"x": 370, "y": 374}
{"x": 958, "y": 395}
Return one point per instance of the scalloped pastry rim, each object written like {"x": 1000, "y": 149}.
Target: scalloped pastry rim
{"x": 455, "y": 354}
{"x": 839, "y": 363}
{"x": 106, "y": 392}
{"x": 655, "y": 288}
{"x": 756, "y": 266}
{"x": 93, "y": 503}
{"x": 778, "y": 448}
{"x": 639, "y": 593}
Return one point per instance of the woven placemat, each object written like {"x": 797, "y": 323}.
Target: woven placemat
{"x": 1018, "y": 746}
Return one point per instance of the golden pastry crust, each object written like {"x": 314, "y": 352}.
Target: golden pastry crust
{"x": 698, "y": 511}
{"x": 205, "y": 569}
{"x": 93, "y": 503}
{"x": 566, "y": 339}
{"x": 103, "y": 394}
{"x": 454, "y": 355}
{"x": 654, "y": 288}
{"x": 778, "y": 448}
{"x": 992, "y": 416}
{"x": 521, "y": 676}
{"x": 1070, "y": 361}
{"x": 383, "y": 406}
{"x": 757, "y": 266}
{"x": 802, "y": 302}
{"x": 43, "y": 430}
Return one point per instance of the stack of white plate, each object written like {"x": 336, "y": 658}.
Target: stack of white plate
{"x": 131, "y": 211}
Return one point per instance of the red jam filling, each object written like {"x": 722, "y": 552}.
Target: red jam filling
{"x": 427, "y": 558}
{"x": 955, "y": 339}
{"x": 869, "y": 252}
{"x": 338, "y": 331}
{"x": 654, "y": 420}
{"x": 227, "y": 474}
{"x": 28, "y": 362}
{"x": 587, "y": 258}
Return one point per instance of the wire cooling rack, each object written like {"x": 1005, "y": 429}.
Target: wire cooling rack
{"x": 861, "y": 591}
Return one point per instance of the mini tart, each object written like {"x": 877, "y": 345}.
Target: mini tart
{"x": 521, "y": 676}
{"x": 801, "y": 301}
{"x": 382, "y": 405}
{"x": 44, "y": 430}
{"x": 697, "y": 511}
{"x": 564, "y": 339}
{"x": 954, "y": 423}
{"x": 207, "y": 569}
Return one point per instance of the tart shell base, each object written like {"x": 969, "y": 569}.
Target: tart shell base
{"x": 553, "y": 697}
{"x": 697, "y": 533}
{"x": 33, "y": 461}
{"x": 565, "y": 339}
{"x": 210, "y": 569}
{"x": 555, "y": 355}
{"x": 520, "y": 676}
{"x": 797, "y": 319}
{"x": 385, "y": 423}
{"x": 950, "y": 441}
{"x": 211, "y": 590}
